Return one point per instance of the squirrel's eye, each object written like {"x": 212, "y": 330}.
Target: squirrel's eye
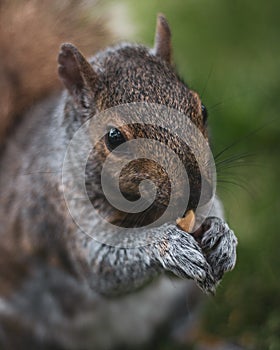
{"x": 114, "y": 138}
{"x": 204, "y": 113}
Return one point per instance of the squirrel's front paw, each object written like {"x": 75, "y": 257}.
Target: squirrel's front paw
{"x": 219, "y": 243}
{"x": 182, "y": 255}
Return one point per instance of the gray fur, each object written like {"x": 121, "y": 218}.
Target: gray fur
{"x": 176, "y": 251}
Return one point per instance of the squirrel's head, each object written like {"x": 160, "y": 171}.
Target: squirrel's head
{"x": 133, "y": 75}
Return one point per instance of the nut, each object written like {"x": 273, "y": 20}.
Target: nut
{"x": 187, "y": 222}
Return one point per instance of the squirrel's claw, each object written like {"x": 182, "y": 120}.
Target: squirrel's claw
{"x": 204, "y": 262}
{"x": 219, "y": 246}
{"x": 182, "y": 255}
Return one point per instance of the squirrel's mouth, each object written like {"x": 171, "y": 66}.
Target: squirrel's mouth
{"x": 155, "y": 214}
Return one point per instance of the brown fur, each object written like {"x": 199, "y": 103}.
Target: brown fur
{"x": 30, "y": 33}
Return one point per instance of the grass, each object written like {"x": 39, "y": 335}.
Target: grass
{"x": 229, "y": 52}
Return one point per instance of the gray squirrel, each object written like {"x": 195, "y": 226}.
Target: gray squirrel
{"x": 61, "y": 288}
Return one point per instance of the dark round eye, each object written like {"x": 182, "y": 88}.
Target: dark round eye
{"x": 204, "y": 113}
{"x": 114, "y": 138}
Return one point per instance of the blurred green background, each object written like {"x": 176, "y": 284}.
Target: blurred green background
{"x": 229, "y": 51}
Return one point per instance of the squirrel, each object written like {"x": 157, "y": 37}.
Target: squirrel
{"x": 61, "y": 288}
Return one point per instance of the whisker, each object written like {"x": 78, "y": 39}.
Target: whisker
{"x": 236, "y": 156}
{"x": 244, "y": 137}
{"x": 236, "y": 165}
{"x": 238, "y": 184}
{"x": 240, "y": 158}
{"x": 211, "y": 108}
{"x": 244, "y": 181}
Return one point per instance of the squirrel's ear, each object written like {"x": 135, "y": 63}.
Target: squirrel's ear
{"x": 162, "y": 44}
{"x": 75, "y": 71}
